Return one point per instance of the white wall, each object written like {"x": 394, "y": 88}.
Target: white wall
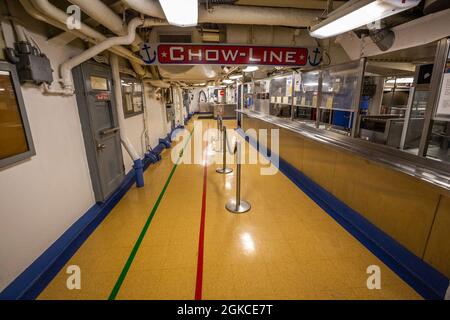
{"x": 134, "y": 127}
{"x": 42, "y": 197}
{"x": 156, "y": 117}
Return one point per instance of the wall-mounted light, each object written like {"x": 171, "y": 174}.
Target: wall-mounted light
{"x": 251, "y": 69}
{"x": 357, "y": 13}
{"x": 181, "y": 13}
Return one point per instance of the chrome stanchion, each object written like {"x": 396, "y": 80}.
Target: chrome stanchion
{"x": 224, "y": 169}
{"x": 238, "y": 205}
{"x": 219, "y": 133}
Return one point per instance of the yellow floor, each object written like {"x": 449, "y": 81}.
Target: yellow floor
{"x": 287, "y": 247}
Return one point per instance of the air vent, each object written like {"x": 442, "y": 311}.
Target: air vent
{"x": 175, "y": 38}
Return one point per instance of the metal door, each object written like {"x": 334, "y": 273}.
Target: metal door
{"x": 100, "y": 127}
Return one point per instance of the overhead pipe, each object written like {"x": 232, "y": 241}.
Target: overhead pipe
{"x": 151, "y": 8}
{"x": 105, "y": 16}
{"x": 236, "y": 14}
{"x": 138, "y": 165}
{"x": 32, "y": 11}
{"x": 67, "y": 67}
{"x": 49, "y": 12}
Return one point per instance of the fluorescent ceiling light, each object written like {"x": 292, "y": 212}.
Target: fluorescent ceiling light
{"x": 236, "y": 76}
{"x": 227, "y": 81}
{"x": 181, "y": 13}
{"x": 358, "y": 13}
{"x": 251, "y": 69}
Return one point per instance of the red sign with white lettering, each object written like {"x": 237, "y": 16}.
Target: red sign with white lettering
{"x": 200, "y": 54}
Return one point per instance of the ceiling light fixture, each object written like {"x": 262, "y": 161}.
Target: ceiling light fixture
{"x": 228, "y": 81}
{"x": 358, "y": 13}
{"x": 181, "y": 13}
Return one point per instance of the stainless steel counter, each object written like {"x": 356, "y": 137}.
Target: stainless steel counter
{"x": 428, "y": 170}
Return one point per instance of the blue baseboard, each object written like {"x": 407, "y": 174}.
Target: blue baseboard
{"x": 426, "y": 280}
{"x": 29, "y": 284}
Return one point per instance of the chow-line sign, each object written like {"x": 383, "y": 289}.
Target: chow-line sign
{"x": 221, "y": 54}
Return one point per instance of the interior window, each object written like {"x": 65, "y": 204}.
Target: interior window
{"x": 133, "y": 97}
{"x": 13, "y": 138}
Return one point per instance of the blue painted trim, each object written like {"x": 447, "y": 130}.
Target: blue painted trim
{"x": 426, "y": 280}
{"x": 139, "y": 173}
{"x": 29, "y": 284}
{"x": 165, "y": 143}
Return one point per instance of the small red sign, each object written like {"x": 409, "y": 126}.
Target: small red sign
{"x": 103, "y": 96}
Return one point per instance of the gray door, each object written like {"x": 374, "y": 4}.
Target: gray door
{"x": 93, "y": 83}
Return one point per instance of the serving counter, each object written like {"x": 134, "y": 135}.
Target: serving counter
{"x": 405, "y": 196}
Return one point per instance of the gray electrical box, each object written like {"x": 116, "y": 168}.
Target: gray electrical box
{"x": 32, "y": 65}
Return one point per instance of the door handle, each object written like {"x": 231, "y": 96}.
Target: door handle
{"x": 101, "y": 147}
{"x": 109, "y": 131}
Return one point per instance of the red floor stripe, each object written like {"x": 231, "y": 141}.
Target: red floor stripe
{"x": 201, "y": 241}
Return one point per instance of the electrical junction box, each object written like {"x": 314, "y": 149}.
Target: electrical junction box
{"x": 36, "y": 69}
{"x": 32, "y": 65}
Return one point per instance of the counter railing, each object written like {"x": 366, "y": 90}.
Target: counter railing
{"x": 432, "y": 171}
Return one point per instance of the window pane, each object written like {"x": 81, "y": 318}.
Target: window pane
{"x": 339, "y": 96}
{"x": 439, "y": 144}
{"x": 306, "y": 96}
{"x": 439, "y": 147}
{"x": 281, "y": 96}
{"x": 12, "y": 133}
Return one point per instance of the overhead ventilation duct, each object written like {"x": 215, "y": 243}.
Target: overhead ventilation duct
{"x": 100, "y": 12}
{"x": 432, "y": 6}
{"x": 45, "y": 11}
{"x": 418, "y": 32}
{"x": 235, "y": 14}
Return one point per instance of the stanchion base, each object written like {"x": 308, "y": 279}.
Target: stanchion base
{"x": 224, "y": 171}
{"x": 243, "y": 207}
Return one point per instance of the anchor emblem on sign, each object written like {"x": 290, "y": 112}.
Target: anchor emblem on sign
{"x": 147, "y": 55}
{"x": 317, "y": 58}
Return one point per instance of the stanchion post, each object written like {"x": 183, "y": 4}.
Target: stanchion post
{"x": 238, "y": 205}
{"x": 224, "y": 169}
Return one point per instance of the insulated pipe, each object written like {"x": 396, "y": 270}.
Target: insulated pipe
{"x": 104, "y": 15}
{"x": 232, "y": 14}
{"x": 49, "y": 10}
{"x": 32, "y": 11}
{"x": 66, "y": 68}
{"x": 138, "y": 166}
{"x": 148, "y": 7}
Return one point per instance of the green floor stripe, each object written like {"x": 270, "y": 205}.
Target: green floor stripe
{"x": 133, "y": 253}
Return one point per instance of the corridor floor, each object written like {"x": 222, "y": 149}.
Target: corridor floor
{"x": 286, "y": 247}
